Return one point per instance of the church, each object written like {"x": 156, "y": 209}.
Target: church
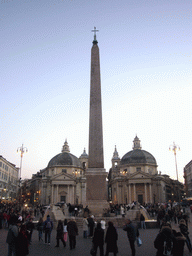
{"x": 134, "y": 177}
{"x": 63, "y": 180}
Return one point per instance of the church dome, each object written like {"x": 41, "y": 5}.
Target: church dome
{"x": 137, "y": 155}
{"x": 65, "y": 158}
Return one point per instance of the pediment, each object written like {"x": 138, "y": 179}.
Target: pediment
{"x": 63, "y": 176}
{"x": 140, "y": 175}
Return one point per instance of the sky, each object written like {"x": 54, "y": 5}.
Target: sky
{"x": 146, "y": 77}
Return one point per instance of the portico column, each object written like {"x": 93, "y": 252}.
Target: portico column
{"x": 68, "y": 198}
{"x": 57, "y": 192}
{"x": 150, "y": 193}
{"x": 129, "y": 193}
{"x": 145, "y": 194}
{"x": 134, "y": 192}
{"x": 52, "y": 194}
{"x": 117, "y": 193}
{"x": 73, "y": 194}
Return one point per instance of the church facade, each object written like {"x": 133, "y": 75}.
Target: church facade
{"x": 63, "y": 180}
{"x": 134, "y": 177}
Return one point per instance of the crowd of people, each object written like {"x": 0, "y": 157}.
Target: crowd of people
{"x": 20, "y": 227}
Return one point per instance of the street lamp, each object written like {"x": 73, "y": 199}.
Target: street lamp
{"x": 22, "y": 150}
{"x": 174, "y": 148}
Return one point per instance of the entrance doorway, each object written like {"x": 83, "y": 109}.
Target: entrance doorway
{"x": 140, "y": 199}
{"x": 63, "y": 199}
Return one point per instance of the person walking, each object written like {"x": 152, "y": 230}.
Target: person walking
{"x": 132, "y": 234}
{"x": 30, "y": 226}
{"x": 164, "y": 241}
{"x": 12, "y": 235}
{"x": 98, "y": 239}
{"x": 22, "y": 246}
{"x": 111, "y": 239}
{"x": 85, "y": 227}
{"x": 48, "y": 227}
{"x": 91, "y": 225}
{"x": 184, "y": 230}
{"x": 142, "y": 221}
{"x": 40, "y": 229}
{"x": 65, "y": 233}
{"x": 72, "y": 232}
{"x": 103, "y": 224}
{"x": 59, "y": 235}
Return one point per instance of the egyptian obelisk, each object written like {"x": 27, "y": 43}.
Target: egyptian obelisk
{"x": 96, "y": 190}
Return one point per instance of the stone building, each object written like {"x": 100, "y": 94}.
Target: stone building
{"x": 134, "y": 177}
{"x": 188, "y": 179}
{"x": 8, "y": 179}
{"x": 63, "y": 180}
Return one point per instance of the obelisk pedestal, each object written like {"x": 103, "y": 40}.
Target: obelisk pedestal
{"x": 96, "y": 189}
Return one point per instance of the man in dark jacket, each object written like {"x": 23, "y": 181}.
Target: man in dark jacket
{"x": 98, "y": 239}
{"x": 72, "y": 232}
{"x": 132, "y": 234}
{"x": 12, "y": 235}
{"x": 91, "y": 225}
{"x": 164, "y": 241}
{"x": 47, "y": 227}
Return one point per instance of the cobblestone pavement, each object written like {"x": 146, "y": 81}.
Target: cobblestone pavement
{"x": 84, "y": 245}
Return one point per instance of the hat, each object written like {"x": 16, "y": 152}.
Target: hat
{"x": 182, "y": 221}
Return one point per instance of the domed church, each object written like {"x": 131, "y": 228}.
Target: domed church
{"x": 133, "y": 177}
{"x": 63, "y": 179}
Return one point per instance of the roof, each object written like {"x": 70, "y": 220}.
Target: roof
{"x": 64, "y": 159}
{"x": 138, "y": 156}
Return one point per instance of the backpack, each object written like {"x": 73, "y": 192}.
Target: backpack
{"x": 48, "y": 225}
{"x": 168, "y": 247}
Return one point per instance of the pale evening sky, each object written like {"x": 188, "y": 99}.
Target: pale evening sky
{"x": 146, "y": 77}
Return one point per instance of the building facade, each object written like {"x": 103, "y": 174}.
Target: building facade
{"x": 63, "y": 180}
{"x": 188, "y": 179}
{"x": 8, "y": 180}
{"x": 134, "y": 177}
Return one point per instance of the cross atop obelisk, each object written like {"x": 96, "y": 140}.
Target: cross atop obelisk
{"x": 96, "y": 189}
{"x": 95, "y": 40}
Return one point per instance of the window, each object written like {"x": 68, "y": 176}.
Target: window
{"x": 64, "y": 170}
{"x": 0, "y": 164}
{"x": 138, "y": 169}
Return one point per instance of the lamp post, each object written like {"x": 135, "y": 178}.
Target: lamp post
{"x": 174, "y": 148}
{"x": 22, "y": 150}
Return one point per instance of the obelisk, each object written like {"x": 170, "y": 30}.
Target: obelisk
{"x": 96, "y": 189}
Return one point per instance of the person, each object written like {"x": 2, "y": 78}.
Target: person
{"x": 164, "y": 241}
{"x": 85, "y": 227}
{"x": 178, "y": 244}
{"x": 65, "y": 230}
{"x": 72, "y": 232}
{"x": 98, "y": 239}
{"x": 184, "y": 230}
{"x": 103, "y": 224}
{"x": 22, "y": 246}
{"x": 132, "y": 234}
{"x": 111, "y": 239}
{"x": 142, "y": 220}
{"x": 12, "y": 235}
{"x": 30, "y": 226}
{"x": 48, "y": 227}
{"x": 60, "y": 234}
{"x": 91, "y": 225}
{"x": 40, "y": 229}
